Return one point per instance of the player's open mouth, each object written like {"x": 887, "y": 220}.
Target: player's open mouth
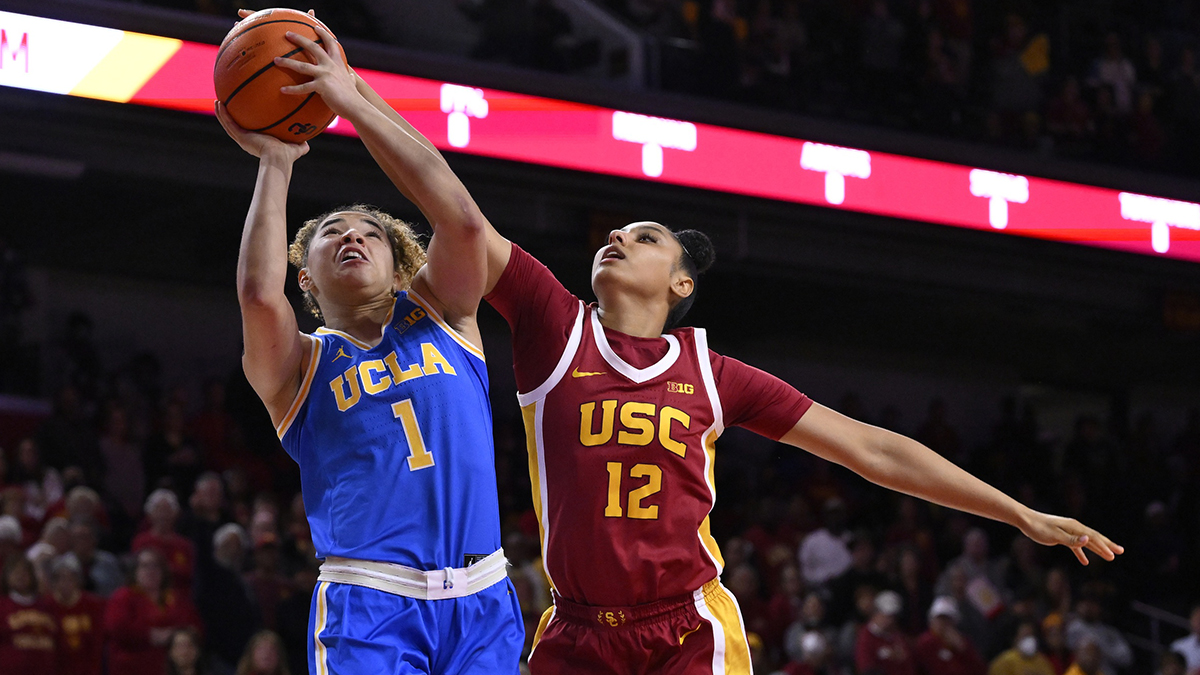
{"x": 612, "y": 254}
{"x": 350, "y": 254}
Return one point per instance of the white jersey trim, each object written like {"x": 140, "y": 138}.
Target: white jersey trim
{"x": 718, "y": 659}
{"x": 543, "y": 484}
{"x": 447, "y": 328}
{"x": 710, "y": 383}
{"x": 563, "y": 363}
{"x": 638, "y": 375}
{"x": 314, "y": 361}
{"x": 704, "y": 360}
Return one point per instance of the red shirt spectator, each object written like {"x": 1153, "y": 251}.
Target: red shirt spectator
{"x": 162, "y": 510}
{"x": 28, "y": 629}
{"x": 943, "y": 650}
{"x": 80, "y": 620}
{"x": 139, "y": 619}
{"x": 881, "y": 647}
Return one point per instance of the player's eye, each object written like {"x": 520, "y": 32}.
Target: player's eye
{"x": 646, "y": 236}
{"x": 373, "y": 234}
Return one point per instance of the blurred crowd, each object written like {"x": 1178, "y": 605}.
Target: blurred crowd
{"x": 156, "y": 533}
{"x": 1113, "y": 81}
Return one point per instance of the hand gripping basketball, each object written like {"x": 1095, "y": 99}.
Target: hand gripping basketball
{"x": 332, "y": 78}
{"x": 249, "y": 79}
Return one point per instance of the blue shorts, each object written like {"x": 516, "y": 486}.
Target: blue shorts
{"x": 357, "y": 630}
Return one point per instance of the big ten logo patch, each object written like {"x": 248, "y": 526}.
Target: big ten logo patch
{"x": 680, "y": 388}
{"x": 408, "y": 321}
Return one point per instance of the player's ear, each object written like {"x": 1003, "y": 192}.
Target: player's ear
{"x": 682, "y": 285}
{"x": 304, "y": 279}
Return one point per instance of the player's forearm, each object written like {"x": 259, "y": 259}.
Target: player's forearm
{"x": 382, "y": 106}
{"x": 262, "y": 258}
{"x": 421, "y": 174}
{"x": 905, "y": 465}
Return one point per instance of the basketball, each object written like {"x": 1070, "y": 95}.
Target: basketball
{"x": 247, "y": 81}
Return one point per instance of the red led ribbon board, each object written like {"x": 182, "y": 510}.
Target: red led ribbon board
{"x": 155, "y": 71}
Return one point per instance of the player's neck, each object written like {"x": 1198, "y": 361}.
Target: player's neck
{"x": 363, "y": 322}
{"x": 632, "y": 316}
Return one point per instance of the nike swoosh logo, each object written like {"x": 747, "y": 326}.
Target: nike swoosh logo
{"x": 576, "y": 373}
{"x": 684, "y": 636}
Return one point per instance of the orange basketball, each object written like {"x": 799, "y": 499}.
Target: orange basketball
{"x": 248, "y": 81}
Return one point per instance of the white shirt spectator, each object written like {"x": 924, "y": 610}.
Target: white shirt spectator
{"x": 1190, "y": 648}
{"x": 823, "y": 557}
{"x": 1115, "y": 651}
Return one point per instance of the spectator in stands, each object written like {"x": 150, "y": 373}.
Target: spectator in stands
{"x": 1115, "y": 70}
{"x": 293, "y": 616}
{"x": 1189, "y": 646}
{"x": 184, "y": 654}
{"x": 744, "y": 583}
{"x": 224, "y": 600}
{"x": 881, "y": 647}
{"x": 1089, "y": 659}
{"x": 171, "y": 458}
{"x": 80, "y": 619}
{"x": 264, "y": 656}
{"x": 810, "y": 656}
{"x": 67, "y": 437}
{"x": 1019, "y": 62}
{"x": 28, "y": 629}
{"x": 910, "y": 581}
{"x": 162, "y": 510}
{"x": 1087, "y": 628}
{"x": 140, "y": 618}
{"x": 786, "y": 605}
{"x": 266, "y": 579}
{"x": 10, "y": 537}
{"x": 213, "y": 427}
{"x": 205, "y": 514}
{"x": 813, "y": 618}
{"x": 1069, "y": 118}
{"x": 883, "y": 38}
{"x": 824, "y": 555}
{"x": 124, "y": 479}
{"x": 1054, "y": 633}
{"x": 1020, "y": 572}
{"x": 943, "y": 649}
{"x": 1023, "y": 658}
{"x": 973, "y": 602}
{"x": 101, "y": 572}
{"x": 984, "y": 577}
{"x": 862, "y": 571}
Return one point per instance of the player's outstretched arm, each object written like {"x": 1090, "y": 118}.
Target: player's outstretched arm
{"x": 456, "y": 273}
{"x": 904, "y": 465}
{"x": 274, "y": 349}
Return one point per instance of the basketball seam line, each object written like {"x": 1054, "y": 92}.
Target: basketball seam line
{"x": 285, "y": 117}
{"x": 260, "y": 71}
{"x": 231, "y": 38}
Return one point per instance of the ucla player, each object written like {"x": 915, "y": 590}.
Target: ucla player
{"x": 385, "y": 407}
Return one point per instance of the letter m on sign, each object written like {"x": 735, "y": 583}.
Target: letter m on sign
{"x": 8, "y": 52}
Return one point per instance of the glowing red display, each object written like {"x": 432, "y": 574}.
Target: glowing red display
{"x": 590, "y": 138}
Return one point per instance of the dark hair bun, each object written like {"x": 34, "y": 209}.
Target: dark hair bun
{"x": 699, "y": 247}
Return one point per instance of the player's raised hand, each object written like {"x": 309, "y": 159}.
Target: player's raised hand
{"x": 259, "y": 144}
{"x": 331, "y": 76}
{"x": 1056, "y": 530}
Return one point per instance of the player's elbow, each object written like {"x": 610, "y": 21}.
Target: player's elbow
{"x": 253, "y": 294}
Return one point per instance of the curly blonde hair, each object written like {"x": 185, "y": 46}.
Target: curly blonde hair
{"x": 408, "y": 255}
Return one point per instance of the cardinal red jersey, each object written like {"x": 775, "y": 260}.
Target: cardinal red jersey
{"x": 28, "y": 637}
{"x": 621, "y": 433}
{"x": 81, "y": 636}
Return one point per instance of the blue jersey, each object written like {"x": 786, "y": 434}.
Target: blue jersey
{"x": 394, "y": 444}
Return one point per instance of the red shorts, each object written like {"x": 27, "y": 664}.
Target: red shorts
{"x": 697, "y": 634}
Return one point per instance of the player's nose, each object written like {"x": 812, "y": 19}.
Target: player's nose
{"x": 617, "y": 236}
{"x": 352, "y": 236}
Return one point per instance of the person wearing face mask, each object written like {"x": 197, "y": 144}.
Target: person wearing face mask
{"x": 1024, "y": 658}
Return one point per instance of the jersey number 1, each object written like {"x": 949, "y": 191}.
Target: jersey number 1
{"x": 418, "y": 456}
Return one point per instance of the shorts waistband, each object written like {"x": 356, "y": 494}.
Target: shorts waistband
{"x": 611, "y": 618}
{"x": 412, "y": 583}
